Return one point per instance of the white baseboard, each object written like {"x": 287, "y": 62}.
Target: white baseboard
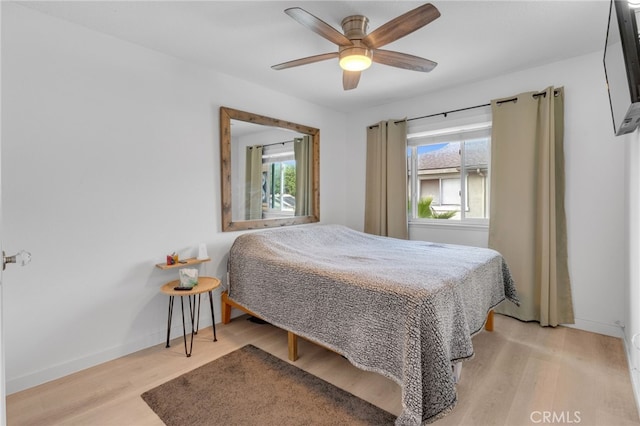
{"x": 613, "y": 330}
{"x": 634, "y": 374}
{"x": 72, "y": 366}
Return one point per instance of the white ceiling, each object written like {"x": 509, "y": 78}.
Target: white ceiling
{"x": 471, "y": 41}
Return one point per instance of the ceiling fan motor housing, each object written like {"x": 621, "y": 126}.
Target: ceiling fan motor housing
{"x": 355, "y": 29}
{"x": 355, "y": 26}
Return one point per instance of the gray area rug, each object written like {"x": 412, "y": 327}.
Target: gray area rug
{"x": 252, "y": 387}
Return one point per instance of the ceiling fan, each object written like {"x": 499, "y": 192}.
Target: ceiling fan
{"x": 357, "y": 49}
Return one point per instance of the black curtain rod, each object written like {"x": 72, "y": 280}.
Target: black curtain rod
{"x": 535, "y": 95}
{"x": 271, "y": 144}
{"x": 556, "y": 92}
{"x": 445, "y": 113}
{"x": 435, "y": 115}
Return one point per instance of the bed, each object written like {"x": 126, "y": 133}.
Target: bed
{"x": 404, "y": 309}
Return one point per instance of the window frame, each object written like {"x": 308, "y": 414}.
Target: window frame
{"x": 480, "y": 129}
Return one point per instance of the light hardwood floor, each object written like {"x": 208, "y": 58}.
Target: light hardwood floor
{"x": 520, "y": 373}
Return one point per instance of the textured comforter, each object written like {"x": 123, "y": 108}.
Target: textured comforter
{"x": 404, "y": 309}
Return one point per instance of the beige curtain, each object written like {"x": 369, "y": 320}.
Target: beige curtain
{"x": 303, "y": 155}
{"x": 386, "y": 186}
{"x": 253, "y": 183}
{"x": 527, "y": 219}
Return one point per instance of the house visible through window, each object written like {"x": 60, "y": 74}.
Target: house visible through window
{"x": 448, "y": 175}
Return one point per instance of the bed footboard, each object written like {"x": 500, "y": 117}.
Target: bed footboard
{"x": 292, "y": 339}
{"x": 228, "y": 304}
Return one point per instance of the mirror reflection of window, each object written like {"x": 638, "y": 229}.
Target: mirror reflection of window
{"x": 273, "y": 182}
{"x": 279, "y": 173}
{"x": 264, "y": 185}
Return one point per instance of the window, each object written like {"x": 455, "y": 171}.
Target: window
{"x": 448, "y": 175}
{"x": 278, "y": 180}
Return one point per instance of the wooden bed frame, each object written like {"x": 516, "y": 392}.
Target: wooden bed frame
{"x": 292, "y": 339}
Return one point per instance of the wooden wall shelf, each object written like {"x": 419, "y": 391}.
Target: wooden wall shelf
{"x": 188, "y": 262}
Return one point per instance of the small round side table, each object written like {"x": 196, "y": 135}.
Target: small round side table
{"x": 205, "y": 285}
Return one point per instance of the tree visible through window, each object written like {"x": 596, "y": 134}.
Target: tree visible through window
{"x": 449, "y": 176}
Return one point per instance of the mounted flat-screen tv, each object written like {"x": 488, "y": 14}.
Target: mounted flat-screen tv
{"x": 622, "y": 67}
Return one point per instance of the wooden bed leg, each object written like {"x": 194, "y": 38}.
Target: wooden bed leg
{"x": 226, "y": 308}
{"x": 489, "y": 324}
{"x": 292, "y": 341}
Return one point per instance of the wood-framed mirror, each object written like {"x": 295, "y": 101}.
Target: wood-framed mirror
{"x": 270, "y": 171}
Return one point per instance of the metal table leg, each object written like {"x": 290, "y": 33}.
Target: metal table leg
{"x": 184, "y": 329}
{"x": 213, "y": 318}
{"x": 169, "y": 319}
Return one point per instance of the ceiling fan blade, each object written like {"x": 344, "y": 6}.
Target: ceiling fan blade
{"x": 318, "y": 26}
{"x": 305, "y": 61}
{"x": 401, "y": 26}
{"x": 403, "y": 60}
{"x": 350, "y": 79}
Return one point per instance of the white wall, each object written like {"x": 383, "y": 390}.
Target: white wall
{"x": 595, "y": 163}
{"x": 110, "y": 161}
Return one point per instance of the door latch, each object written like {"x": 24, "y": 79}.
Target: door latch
{"x": 22, "y": 257}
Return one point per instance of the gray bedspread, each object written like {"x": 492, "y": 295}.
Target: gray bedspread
{"x": 404, "y": 309}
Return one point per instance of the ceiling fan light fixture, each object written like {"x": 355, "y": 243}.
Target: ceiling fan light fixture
{"x": 355, "y": 58}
